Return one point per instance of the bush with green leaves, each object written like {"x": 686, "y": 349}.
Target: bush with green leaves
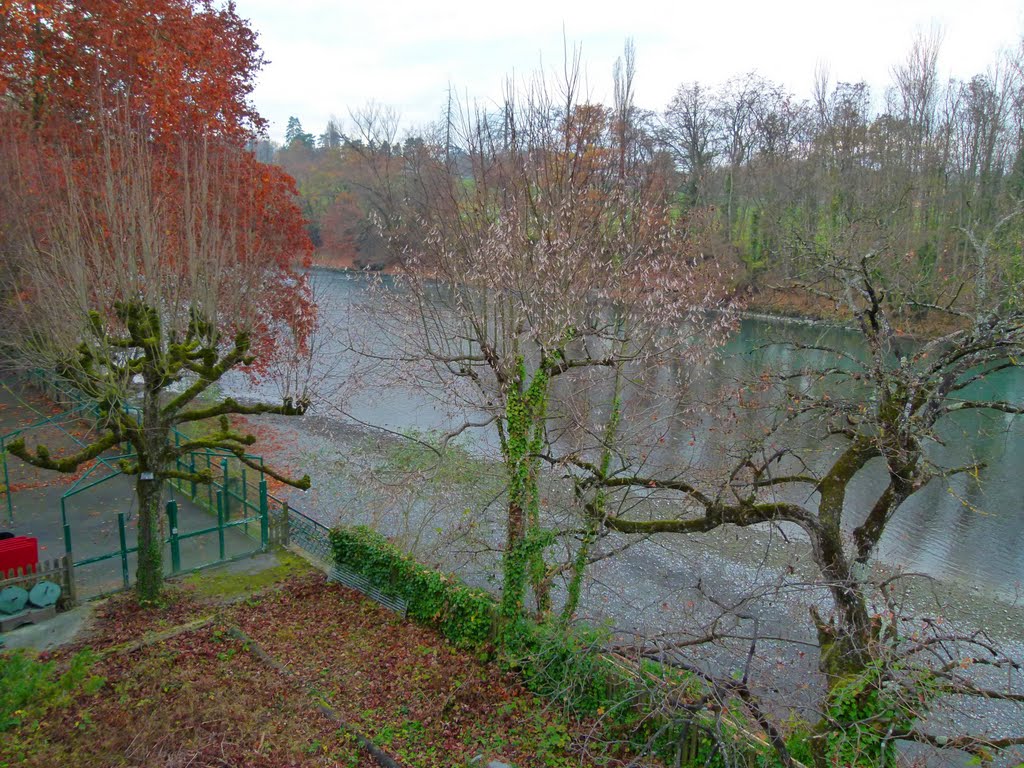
{"x": 462, "y": 614}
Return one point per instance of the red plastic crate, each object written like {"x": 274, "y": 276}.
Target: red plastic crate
{"x": 19, "y": 552}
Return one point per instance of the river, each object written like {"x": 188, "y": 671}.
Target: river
{"x": 963, "y": 530}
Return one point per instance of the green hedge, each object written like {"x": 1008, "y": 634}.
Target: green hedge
{"x": 465, "y": 616}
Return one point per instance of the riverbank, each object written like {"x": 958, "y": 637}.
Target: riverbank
{"x": 348, "y": 263}
{"x": 768, "y": 303}
{"x": 794, "y": 305}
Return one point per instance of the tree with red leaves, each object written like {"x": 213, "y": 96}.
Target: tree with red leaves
{"x": 143, "y": 246}
{"x": 186, "y": 65}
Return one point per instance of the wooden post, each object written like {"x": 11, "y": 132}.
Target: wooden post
{"x": 7, "y": 482}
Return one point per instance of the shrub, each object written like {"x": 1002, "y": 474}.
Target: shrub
{"x": 464, "y": 615}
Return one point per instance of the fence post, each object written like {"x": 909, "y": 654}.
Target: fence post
{"x": 209, "y": 485}
{"x": 69, "y": 573}
{"x": 220, "y": 522}
{"x": 264, "y": 517}
{"x": 245, "y": 502}
{"x": 177, "y": 460}
{"x": 192, "y": 469}
{"x": 172, "y": 520}
{"x": 227, "y": 492}
{"x": 7, "y": 482}
{"x": 286, "y": 524}
{"x": 67, "y": 539}
{"x": 124, "y": 547}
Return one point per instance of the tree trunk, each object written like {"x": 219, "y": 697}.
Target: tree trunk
{"x": 524, "y": 549}
{"x": 149, "y": 489}
{"x": 150, "y": 573}
{"x": 853, "y": 632}
{"x": 579, "y": 567}
{"x": 513, "y": 588}
{"x": 846, "y": 646}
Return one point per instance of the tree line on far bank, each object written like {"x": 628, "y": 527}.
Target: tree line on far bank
{"x": 937, "y": 165}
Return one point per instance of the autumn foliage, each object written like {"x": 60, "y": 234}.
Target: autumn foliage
{"x": 185, "y": 64}
{"x": 149, "y": 98}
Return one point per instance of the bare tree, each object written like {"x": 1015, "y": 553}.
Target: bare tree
{"x": 886, "y": 405}
{"x": 690, "y": 133}
{"x": 540, "y": 260}
{"x": 917, "y": 91}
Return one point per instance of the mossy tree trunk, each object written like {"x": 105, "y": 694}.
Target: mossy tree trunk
{"x": 523, "y": 438}
{"x": 851, "y": 636}
{"x": 149, "y": 576}
{"x": 149, "y": 486}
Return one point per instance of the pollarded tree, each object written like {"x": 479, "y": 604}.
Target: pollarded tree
{"x": 133, "y": 345}
{"x": 141, "y": 242}
{"x": 147, "y": 277}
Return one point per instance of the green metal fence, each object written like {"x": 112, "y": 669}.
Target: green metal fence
{"x": 174, "y": 542}
{"x": 231, "y": 509}
{"x": 236, "y": 499}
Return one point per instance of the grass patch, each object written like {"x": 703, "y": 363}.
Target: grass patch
{"x": 30, "y": 686}
{"x": 240, "y": 578}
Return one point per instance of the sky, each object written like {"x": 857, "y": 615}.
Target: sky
{"x": 326, "y": 57}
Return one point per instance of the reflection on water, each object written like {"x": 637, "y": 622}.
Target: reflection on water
{"x": 967, "y": 528}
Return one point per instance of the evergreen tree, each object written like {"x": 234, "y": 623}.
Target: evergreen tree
{"x": 294, "y": 133}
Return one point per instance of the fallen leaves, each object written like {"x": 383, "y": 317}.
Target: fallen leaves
{"x": 193, "y": 694}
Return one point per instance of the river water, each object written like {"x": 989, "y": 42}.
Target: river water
{"x": 966, "y": 530}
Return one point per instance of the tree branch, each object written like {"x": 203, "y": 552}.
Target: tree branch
{"x": 232, "y": 406}
{"x": 42, "y": 459}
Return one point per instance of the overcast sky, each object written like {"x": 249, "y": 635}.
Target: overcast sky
{"x": 328, "y": 56}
